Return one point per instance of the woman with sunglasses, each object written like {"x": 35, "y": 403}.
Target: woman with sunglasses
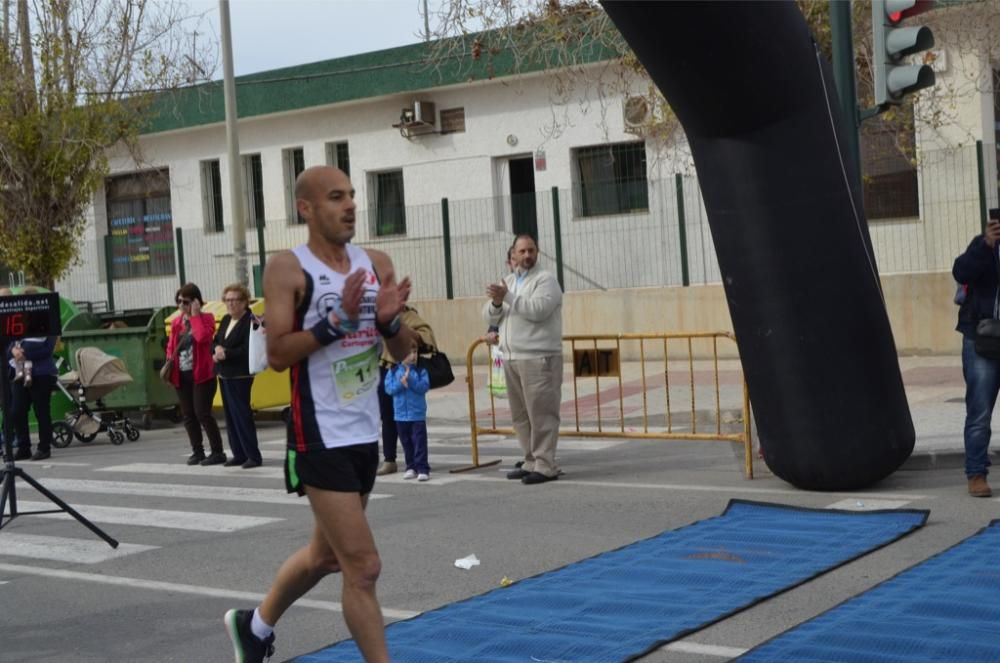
{"x": 232, "y": 361}
{"x": 193, "y": 374}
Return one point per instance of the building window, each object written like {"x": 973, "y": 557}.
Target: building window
{"x": 388, "y": 203}
{"x": 453, "y": 121}
{"x": 338, "y": 156}
{"x": 294, "y": 164}
{"x": 611, "y": 179}
{"x": 211, "y": 193}
{"x": 140, "y": 225}
{"x": 253, "y": 176}
{"x": 889, "y": 175}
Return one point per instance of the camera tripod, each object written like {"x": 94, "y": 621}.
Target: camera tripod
{"x": 9, "y": 472}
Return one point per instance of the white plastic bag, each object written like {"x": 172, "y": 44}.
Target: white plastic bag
{"x": 257, "y": 349}
{"x": 498, "y": 379}
{"x": 467, "y": 562}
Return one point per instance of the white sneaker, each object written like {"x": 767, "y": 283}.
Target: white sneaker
{"x": 423, "y": 477}
{"x": 410, "y": 474}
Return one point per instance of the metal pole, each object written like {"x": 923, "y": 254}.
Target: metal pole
{"x": 449, "y": 285}
{"x": 843, "y": 75}
{"x": 109, "y": 269}
{"x": 557, "y": 229}
{"x": 682, "y": 230}
{"x": 981, "y": 167}
{"x": 262, "y": 256}
{"x": 180, "y": 255}
{"x": 236, "y": 201}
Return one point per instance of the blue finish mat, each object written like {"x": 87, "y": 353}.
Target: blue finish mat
{"x": 623, "y": 603}
{"x": 943, "y": 609}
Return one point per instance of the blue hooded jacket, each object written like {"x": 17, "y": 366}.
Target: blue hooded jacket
{"x": 408, "y": 403}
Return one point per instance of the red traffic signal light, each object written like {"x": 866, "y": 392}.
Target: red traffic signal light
{"x": 897, "y": 10}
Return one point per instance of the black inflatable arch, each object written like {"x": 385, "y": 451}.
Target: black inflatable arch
{"x": 759, "y": 109}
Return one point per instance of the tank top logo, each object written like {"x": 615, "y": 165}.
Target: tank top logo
{"x": 330, "y": 302}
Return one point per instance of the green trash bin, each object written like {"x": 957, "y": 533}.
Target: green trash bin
{"x": 139, "y": 338}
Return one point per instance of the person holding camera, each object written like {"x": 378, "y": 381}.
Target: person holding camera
{"x": 978, "y": 268}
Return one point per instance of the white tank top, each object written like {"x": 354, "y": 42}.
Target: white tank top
{"x": 335, "y": 389}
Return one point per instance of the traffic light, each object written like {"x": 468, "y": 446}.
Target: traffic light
{"x": 892, "y": 43}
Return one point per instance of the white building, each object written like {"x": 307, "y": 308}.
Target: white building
{"x": 629, "y": 212}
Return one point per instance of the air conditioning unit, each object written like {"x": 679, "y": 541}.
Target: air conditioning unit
{"x": 424, "y": 113}
{"x": 636, "y": 114}
{"x": 416, "y": 120}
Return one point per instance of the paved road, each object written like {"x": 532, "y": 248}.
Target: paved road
{"x": 196, "y": 541}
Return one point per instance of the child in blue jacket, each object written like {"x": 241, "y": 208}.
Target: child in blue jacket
{"x": 407, "y": 384}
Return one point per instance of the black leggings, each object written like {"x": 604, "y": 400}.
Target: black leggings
{"x": 37, "y": 398}
{"x": 196, "y": 406}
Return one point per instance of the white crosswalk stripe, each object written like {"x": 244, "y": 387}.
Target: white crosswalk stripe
{"x": 195, "y": 470}
{"x": 60, "y": 549}
{"x": 189, "y": 520}
{"x": 179, "y": 490}
{"x": 856, "y": 504}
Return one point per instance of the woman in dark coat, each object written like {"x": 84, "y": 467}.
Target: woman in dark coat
{"x": 232, "y": 364}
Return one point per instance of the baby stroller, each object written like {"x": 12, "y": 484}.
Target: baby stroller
{"x": 97, "y": 374}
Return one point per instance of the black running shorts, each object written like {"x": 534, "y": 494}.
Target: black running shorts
{"x": 341, "y": 469}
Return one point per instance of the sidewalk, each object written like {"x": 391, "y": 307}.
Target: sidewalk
{"x": 935, "y": 391}
{"x": 934, "y": 386}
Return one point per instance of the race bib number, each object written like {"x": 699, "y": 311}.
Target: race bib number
{"x": 357, "y": 375}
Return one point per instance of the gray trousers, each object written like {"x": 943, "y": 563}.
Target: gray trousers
{"x": 534, "y": 392}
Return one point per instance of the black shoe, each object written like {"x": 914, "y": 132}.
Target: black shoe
{"x": 518, "y": 464}
{"x": 214, "y": 459}
{"x": 232, "y": 462}
{"x": 41, "y": 455}
{"x": 518, "y": 474}
{"x": 22, "y": 453}
{"x": 248, "y": 647}
{"x": 250, "y": 464}
{"x": 537, "y": 477}
{"x": 196, "y": 458}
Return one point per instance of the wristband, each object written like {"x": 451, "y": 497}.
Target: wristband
{"x": 326, "y": 333}
{"x": 389, "y": 330}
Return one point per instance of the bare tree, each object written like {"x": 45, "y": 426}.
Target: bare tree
{"x": 484, "y": 38}
{"x": 584, "y": 57}
{"x": 76, "y": 79}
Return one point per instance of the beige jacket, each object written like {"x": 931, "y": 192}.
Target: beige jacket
{"x": 411, "y": 319}
{"x": 530, "y": 318}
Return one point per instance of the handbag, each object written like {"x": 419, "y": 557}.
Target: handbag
{"x": 498, "y": 377}
{"x": 988, "y": 331}
{"x": 988, "y": 338}
{"x": 167, "y": 369}
{"x": 438, "y": 368}
{"x": 257, "y": 347}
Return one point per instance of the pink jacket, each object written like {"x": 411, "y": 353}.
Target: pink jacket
{"x": 202, "y": 331}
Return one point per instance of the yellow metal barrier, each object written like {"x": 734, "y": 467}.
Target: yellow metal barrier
{"x": 595, "y": 357}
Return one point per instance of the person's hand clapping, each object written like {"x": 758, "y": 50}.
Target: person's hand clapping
{"x": 497, "y": 292}
{"x": 391, "y": 299}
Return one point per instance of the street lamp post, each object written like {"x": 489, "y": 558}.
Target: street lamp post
{"x": 236, "y": 199}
